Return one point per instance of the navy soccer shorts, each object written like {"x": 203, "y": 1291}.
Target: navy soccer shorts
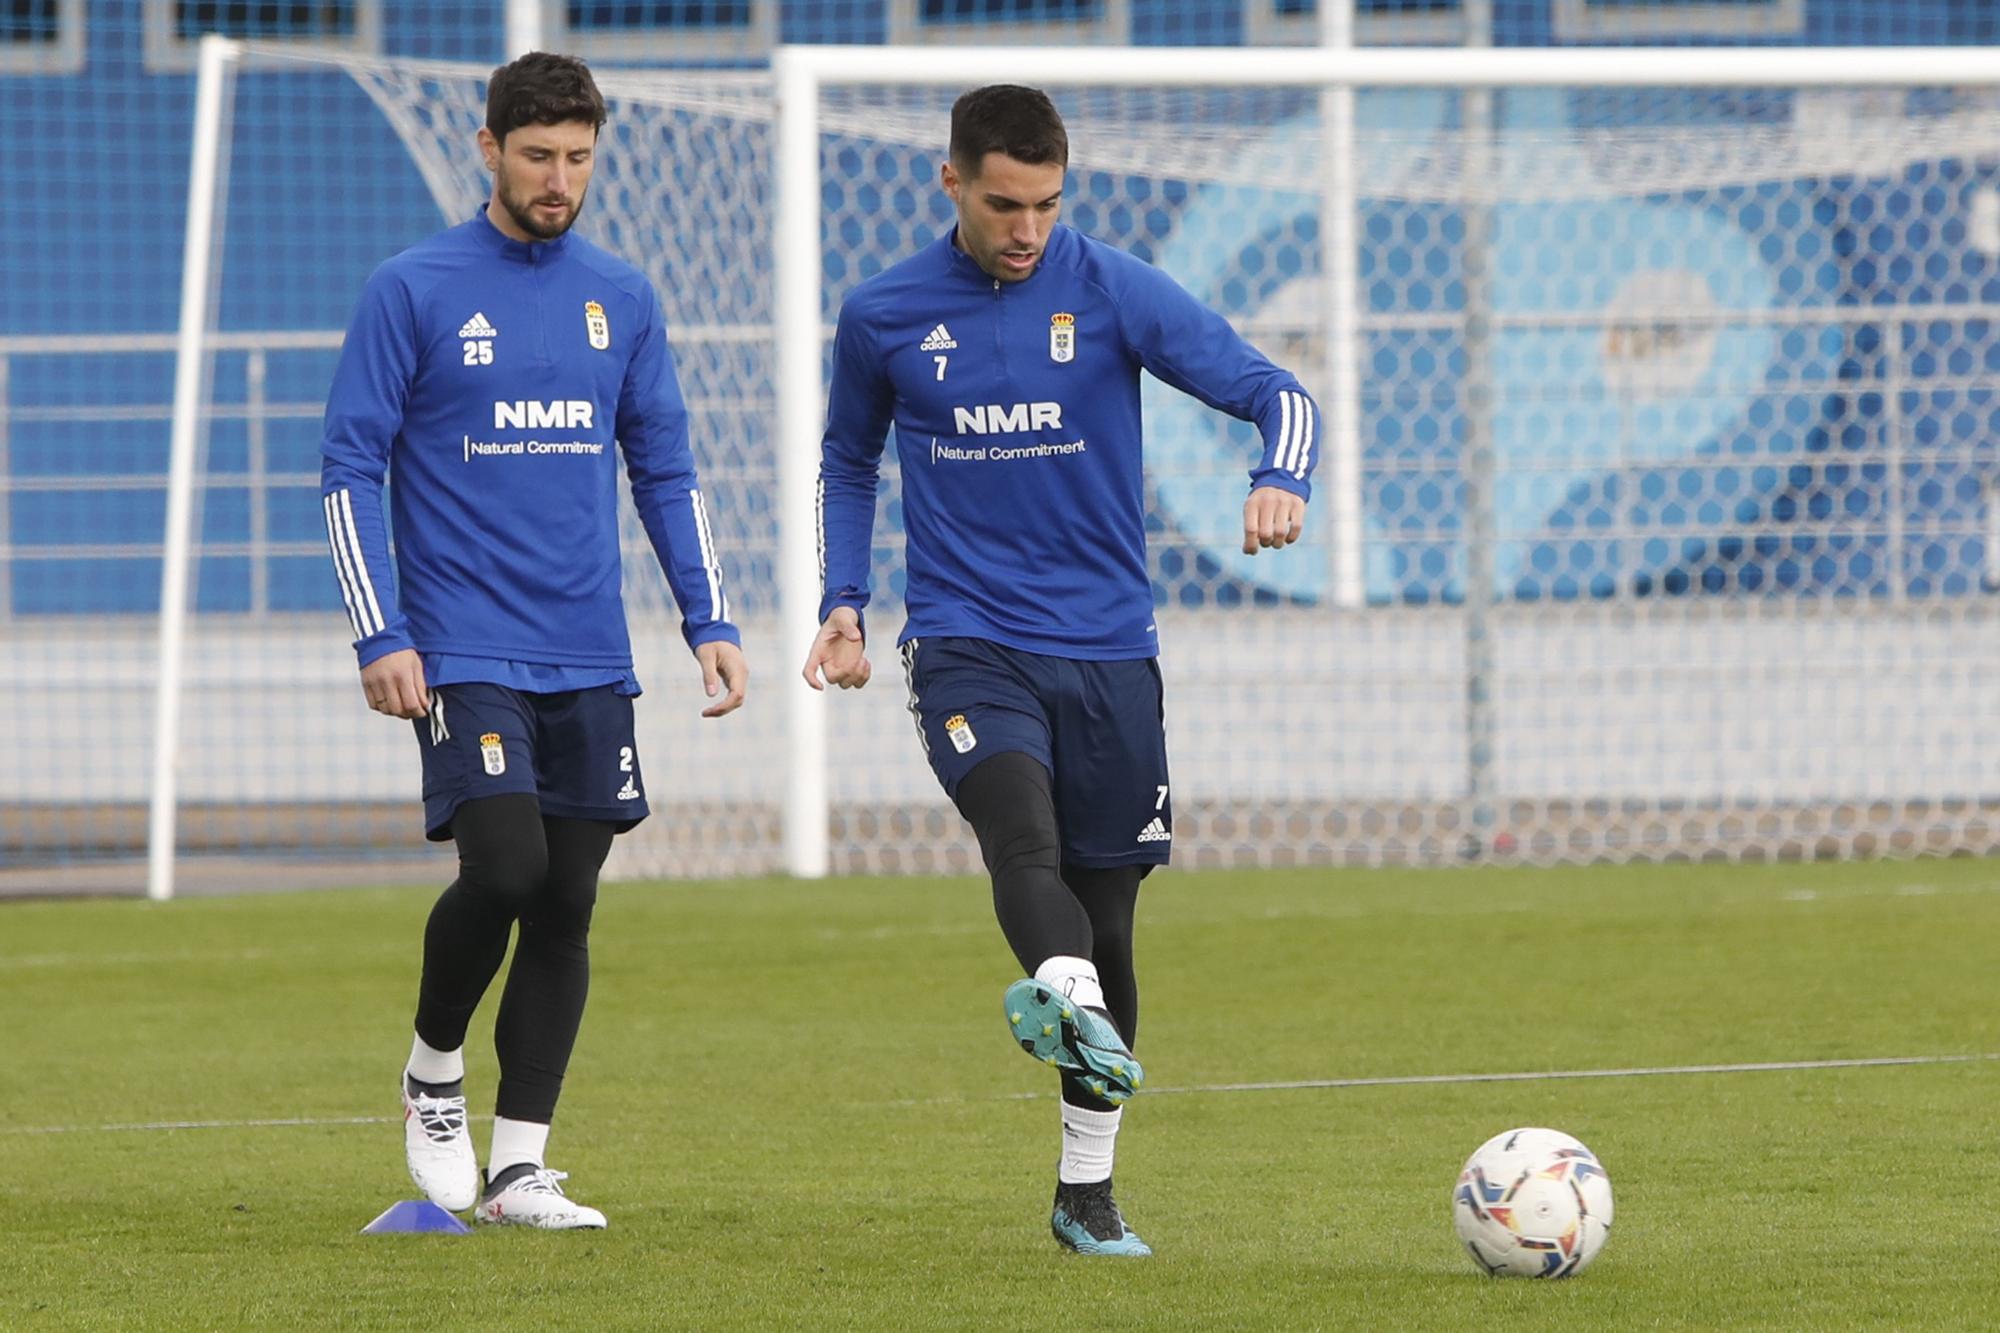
{"x": 1099, "y": 727}
{"x": 572, "y": 749}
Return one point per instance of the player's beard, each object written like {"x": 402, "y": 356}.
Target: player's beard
{"x": 523, "y": 212}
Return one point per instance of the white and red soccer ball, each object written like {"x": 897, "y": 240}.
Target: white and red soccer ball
{"x": 1532, "y": 1203}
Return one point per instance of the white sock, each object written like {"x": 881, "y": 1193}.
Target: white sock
{"x": 428, "y": 1064}
{"x": 515, "y": 1142}
{"x": 1074, "y": 977}
{"x": 1089, "y": 1137}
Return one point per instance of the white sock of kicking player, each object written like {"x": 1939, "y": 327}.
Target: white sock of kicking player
{"x": 516, "y": 1142}
{"x": 1074, "y": 977}
{"x": 1089, "y": 1138}
{"x": 428, "y": 1064}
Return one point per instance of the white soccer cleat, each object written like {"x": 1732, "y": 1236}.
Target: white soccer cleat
{"x": 438, "y": 1147}
{"x": 529, "y": 1196}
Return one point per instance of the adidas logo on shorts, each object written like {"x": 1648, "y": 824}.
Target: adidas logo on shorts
{"x": 1155, "y": 832}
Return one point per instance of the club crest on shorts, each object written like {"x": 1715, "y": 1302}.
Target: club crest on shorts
{"x": 598, "y": 326}
{"x": 492, "y": 754}
{"x": 960, "y": 733}
{"x": 1062, "y": 337}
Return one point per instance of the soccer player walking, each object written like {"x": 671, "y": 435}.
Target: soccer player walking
{"x": 1007, "y": 355}
{"x": 496, "y": 369}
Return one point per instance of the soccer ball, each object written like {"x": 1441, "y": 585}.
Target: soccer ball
{"x": 1532, "y": 1203}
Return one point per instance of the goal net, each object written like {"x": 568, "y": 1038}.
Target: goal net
{"x": 1660, "y": 524}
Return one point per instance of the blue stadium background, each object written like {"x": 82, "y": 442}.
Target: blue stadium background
{"x": 95, "y": 157}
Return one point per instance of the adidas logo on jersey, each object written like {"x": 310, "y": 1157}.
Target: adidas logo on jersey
{"x": 939, "y": 339}
{"x": 477, "y": 327}
{"x": 1155, "y": 832}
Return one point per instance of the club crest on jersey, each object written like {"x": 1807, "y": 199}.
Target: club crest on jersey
{"x": 1062, "y": 337}
{"x": 960, "y": 733}
{"x": 490, "y": 751}
{"x": 597, "y": 324}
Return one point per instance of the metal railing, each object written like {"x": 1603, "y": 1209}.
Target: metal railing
{"x": 255, "y": 409}
{"x": 1893, "y": 380}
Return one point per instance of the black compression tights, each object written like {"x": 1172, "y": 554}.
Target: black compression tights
{"x": 1048, "y": 909}
{"x": 515, "y": 864}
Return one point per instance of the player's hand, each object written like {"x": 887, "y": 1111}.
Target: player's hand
{"x": 839, "y": 651}
{"x": 394, "y": 684}
{"x": 722, "y": 666}
{"x": 1272, "y": 518}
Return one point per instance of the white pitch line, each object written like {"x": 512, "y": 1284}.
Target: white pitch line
{"x": 124, "y": 959}
{"x": 1296, "y": 1085}
{"x": 1537, "y": 1076}
{"x": 204, "y": 1124}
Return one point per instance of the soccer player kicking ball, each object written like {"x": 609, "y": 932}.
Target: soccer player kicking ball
{"x": 494, "y": 369}
{"x": 1007, "y": 354}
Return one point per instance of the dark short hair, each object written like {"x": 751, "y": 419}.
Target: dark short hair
{"x": 542, "y": 88}
{"x": 1006, "y": 118}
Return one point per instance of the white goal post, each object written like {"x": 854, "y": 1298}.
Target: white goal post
{"x": 207, "y": 184}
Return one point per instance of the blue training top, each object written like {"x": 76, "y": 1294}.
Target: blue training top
{"x": 493, "y": 376}
{"x": 1016, "y": 407}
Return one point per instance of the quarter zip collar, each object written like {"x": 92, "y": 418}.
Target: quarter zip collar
{"x": 958, "y": 263}
{"x": 521, "y": 252}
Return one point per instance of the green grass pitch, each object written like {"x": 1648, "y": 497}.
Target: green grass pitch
{"x": 798, "y": 1105}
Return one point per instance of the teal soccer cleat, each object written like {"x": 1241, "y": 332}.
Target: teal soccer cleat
{"x": 1084, "y": 1041}
{"x": 1086, "y": 1219}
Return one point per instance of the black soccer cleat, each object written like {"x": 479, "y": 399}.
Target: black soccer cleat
{"x": 1086, "y": 1219}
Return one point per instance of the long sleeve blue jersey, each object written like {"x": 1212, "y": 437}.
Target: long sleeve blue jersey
{"x": 498, "y": 380}
{"x": 1016, "y": 408}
